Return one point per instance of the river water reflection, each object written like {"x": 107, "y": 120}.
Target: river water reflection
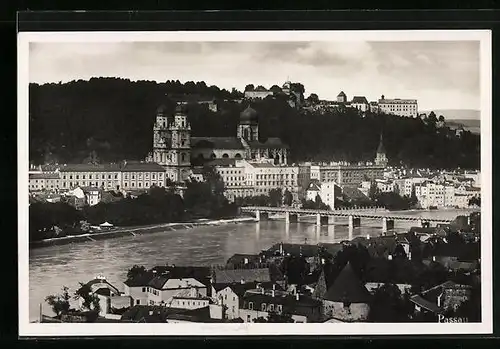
{"x": 52, "y": 267}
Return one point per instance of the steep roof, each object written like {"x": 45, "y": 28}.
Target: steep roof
{"x": 381, "y": 148}
{"x": 270, "y": 143}
{"x": 90, "y": 168}
{"x": 359, "y": 99}
{"x": 216, "y": 142}
{"x": 44, "y": 176}
{"x": 347, "y": 287}
{"x": 248, "y": 275}
{"x": 142, "y": 167}
{"x": 341, "y": 94}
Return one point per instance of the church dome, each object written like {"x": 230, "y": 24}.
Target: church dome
{"x": 161, "y": 109}
{"x": 180, "y": 109}
{"x": 249, "y": 115}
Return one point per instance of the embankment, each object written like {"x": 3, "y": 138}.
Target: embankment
{"x": 133, "y": 231}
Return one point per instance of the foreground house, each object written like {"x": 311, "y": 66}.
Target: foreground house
{"x": 231, "y": 295}
{"x": 109, "y": 296}
{"x": 347, "y": 299}
{"x": 441, "y": 298}
{"x": 260, "y": 303}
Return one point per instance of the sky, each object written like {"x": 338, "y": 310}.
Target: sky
{"x": 439, "y": 74}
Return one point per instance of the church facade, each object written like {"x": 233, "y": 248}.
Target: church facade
{"x": 177, "y": 151}
{"x": 246, "y": 145}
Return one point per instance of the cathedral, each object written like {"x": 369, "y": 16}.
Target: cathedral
{"x": 176, "y": 150}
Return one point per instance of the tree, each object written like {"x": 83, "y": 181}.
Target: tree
{"x": 275, "y": 197}
{"x": 374, "y": 191}
{"x": 89, "y": 300}
{"x": 249, "y": 87}
{"x": 287, "y": 198}
{"x": 313, "y": 98}
{"x": 59, "y": 302}
{"x": 441, "y": 118}
{"x": 475, "y": 201}
{"x": 387, "y": 305}
{"x": 275, "y": 89}
{"x": 136, "y": 271}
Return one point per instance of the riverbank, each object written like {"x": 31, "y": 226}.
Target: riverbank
{"x": 136, "y": 230}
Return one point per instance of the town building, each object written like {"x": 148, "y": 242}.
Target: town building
{"x": 327, "y": 191}
{"x": 341, "y": 97}
{"x": 360, "y": 103}
{"x": 374, "y": 107}
{"x": 142, "y": 175}
{"x": 402, "y": 107}
{"x": 252, "y": 178}
{"x": 105, "y": 176}
{"x": 260, "y": 303}
{"x": 44, "y": 181}
{"x": 109, "y": 296}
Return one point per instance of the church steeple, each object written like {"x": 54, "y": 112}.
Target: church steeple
{"x": 381, "y": 148}
{"x": 381, "y": 157}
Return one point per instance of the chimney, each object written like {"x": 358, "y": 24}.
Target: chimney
{"x": 297, "y": 296}
{"x": 274, "y": 287}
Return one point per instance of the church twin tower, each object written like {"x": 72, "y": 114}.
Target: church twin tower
{"x": 172, "y": 143}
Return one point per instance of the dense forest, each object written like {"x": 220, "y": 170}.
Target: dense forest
{"x": 113, "y": 118}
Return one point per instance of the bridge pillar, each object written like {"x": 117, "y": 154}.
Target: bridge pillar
{"x": 261, "y": 215}
{"x": 291, "y": 217}
{"x": 321, "y": 220}
{"x": 354, "y": 222}
{"x": 387, "y": 224}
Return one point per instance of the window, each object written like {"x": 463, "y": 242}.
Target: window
{"x": 250, "y": 305}
{"x": 263, "y": 307}
{"x": 109, "y": 176}
{"x": 271, "y": 307}
{"x": 116, "y": 176}
{"x": 77, "y": 177}
{"x": 137, "y": 301}
{"x": 279, "y": 308}
{"x": 248, "y": 318}
{"x": 144, "y": 289}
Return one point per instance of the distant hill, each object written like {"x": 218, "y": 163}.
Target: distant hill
{"x": 473, "y": 126}
{"x": 457, "y": 114}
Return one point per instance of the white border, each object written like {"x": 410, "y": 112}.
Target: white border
{"x": 207, "y": 329}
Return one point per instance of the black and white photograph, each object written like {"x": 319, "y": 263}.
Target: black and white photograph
{"x": 211, "y": 183}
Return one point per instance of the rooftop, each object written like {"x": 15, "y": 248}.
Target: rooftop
{"x": 271, "y": 142}
{"x": 347, "y": 288}
{"x": 133, "y": 166}
{"x": 90, "y": 168}
{"x": 216, "y": 142}
{"x": 44, "y": 176}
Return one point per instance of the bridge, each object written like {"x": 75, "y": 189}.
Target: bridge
{"x": 323, "y": 217}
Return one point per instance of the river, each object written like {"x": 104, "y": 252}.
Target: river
{"x": 52, "y": 267}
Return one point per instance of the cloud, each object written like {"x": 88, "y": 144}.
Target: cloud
{"x": 397, "y": 69}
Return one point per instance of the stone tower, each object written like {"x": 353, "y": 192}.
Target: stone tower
{"x": 248, "y": 128}
{"x": 171, "y": 143}
{"x": 381, "y": 157}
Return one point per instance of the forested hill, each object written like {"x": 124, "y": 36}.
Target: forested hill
{"x": 114, "y": 118}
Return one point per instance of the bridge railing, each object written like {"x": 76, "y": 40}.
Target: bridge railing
{"x": 341, "y": 213}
